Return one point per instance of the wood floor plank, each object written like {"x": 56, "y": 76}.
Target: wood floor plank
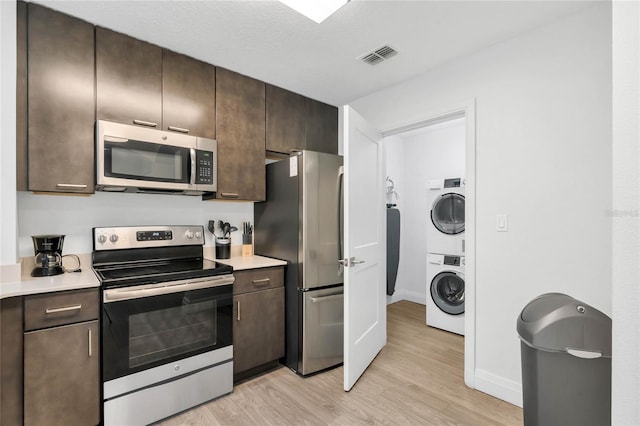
{"x": 417, "y": 379}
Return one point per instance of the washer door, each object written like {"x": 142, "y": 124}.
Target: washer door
{"x": 447, "y": 213}
{"x": 447, "y": 291}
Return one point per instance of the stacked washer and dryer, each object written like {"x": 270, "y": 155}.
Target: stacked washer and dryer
{"x": 445, "y": 255}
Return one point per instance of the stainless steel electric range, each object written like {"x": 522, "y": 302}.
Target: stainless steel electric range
{"x": 166, "y": 322}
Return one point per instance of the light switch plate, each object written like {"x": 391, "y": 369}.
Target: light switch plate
{"x": 502, "y": 223}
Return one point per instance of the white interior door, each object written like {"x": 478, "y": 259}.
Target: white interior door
{"x": 365, "y": 315}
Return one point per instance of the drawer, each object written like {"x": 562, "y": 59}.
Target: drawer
{"x": 52, "y": 309}
{"x": 257, "y": 279}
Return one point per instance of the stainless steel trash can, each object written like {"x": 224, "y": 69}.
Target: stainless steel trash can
{"x": 566, "y": 362}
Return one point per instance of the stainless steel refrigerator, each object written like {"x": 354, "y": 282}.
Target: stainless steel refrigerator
{"x": 301, "y": 223}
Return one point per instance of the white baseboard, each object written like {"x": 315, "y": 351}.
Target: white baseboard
{"x": 411, "y": 296}
{"x": 497, "y": 386}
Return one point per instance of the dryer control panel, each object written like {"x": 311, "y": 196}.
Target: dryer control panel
{"x": 452, "y": 260}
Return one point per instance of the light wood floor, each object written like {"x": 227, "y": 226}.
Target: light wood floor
{"x": 417, "y": 379}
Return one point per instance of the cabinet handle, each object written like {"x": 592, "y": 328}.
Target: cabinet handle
{"x": 145, "y": 123}
{"x": 178, "y": 129}
{"x": 230, "y": 194}
{"x": 263, "y": 281}
{"x": 238, "y": 310}
{"x": 70, "y": 186}
{"x": 90, "y": 352}
{"x": 65, "y": 309}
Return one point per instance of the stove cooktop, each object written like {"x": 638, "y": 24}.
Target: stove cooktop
{"x": 159, "y": 271}
{"x": 137, "y": 255}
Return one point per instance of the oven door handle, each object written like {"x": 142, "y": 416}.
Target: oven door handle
{"x": 126, "y": 293}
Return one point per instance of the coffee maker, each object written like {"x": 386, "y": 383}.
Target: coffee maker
{"x": 48, "y": 250}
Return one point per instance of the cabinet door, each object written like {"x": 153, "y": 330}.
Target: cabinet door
{"x": 61, "y": 102}
{"x": 128, "y": 79}
{"x": 11, "y": 340}
{"x": 188, "y": 95}
{"x": 240, "y": 132}
{"x": 322, "y": 127}
{"x": 22, "y": 149}
{"x": 62, "y": 375}
{"x": 286, "y": 120}
{"x": 258, "y": 331}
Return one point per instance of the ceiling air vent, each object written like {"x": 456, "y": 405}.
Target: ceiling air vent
{"x": 378, "y": 55}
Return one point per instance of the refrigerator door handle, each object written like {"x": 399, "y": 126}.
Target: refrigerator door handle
{"x": 328, "y": 298}
{"x": 341, "y": 261}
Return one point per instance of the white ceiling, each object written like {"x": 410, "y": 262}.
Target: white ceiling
{"x": 268, "y": 41}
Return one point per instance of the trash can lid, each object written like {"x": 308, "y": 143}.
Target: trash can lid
{"x": 557, "y": 322}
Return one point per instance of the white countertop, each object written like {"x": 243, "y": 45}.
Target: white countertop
{"x": 67, "y": 281}
{"x": 251, "y": 262}
{"x": 87, "y": 278}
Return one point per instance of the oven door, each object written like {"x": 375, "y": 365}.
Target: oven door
{"x": 147, "y": 326}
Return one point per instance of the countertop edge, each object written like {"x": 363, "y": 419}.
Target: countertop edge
{"x": 29, "y": 285}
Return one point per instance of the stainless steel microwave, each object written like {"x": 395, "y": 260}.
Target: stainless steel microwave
{"x": 137, "y": 159}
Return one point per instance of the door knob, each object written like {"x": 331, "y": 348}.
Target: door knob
{"x": 350, "y": 262}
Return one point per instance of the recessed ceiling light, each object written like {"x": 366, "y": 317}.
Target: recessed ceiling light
{"x": 317, "y": 10}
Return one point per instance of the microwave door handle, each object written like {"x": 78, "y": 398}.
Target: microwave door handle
{"x": 192, "y": 179}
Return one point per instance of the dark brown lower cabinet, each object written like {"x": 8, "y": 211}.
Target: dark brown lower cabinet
{"x": 258, "y": 330}
{"x": 11, "y": 337}
{"x": 62, "y": 375}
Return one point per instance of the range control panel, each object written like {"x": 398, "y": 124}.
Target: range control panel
{"x": 127, "y": 237}
{"x": 154, "y": 235}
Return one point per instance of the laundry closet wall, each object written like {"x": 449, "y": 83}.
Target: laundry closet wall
{"x": 413, "y": 158}
{"x": 543, "y": 156}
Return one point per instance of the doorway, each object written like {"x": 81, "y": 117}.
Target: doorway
{"x": 409, "y": 191}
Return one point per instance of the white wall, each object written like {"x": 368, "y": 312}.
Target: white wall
{"x": 415, "y": 157}
{"x": 626, "y": 213}
{"x": 74, "y": 216}
{"x": 8, "y": 251}
{"x": 543, "y": 156}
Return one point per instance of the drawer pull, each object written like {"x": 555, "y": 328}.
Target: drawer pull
{"x": 238, "y": 310}
{"x": 261, "y": 282}
{"x": 179, "y": 129}
{"x": 70, "y": 186}
{"x": 230, "y": 194}
{"x": 64, "y": 309}
{"x": 90, "y": 352}
{"x": 145, "y": 123}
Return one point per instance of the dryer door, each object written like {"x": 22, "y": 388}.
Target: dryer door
{"x": 447, "y": 213}
{"x": 447, "y": 292}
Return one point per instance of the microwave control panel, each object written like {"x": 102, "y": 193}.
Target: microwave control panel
{"x": 204, "y": 167}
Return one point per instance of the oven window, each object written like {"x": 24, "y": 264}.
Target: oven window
{"x": 165, "y": 333}
{"x": 142, "y": 333}
{"x": 146, "y": 161}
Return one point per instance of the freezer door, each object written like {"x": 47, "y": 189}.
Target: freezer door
{"x": 321, "y": 210}
{"x": 323, "y": 321}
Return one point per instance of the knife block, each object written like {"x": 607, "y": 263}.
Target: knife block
{"x": 247, "y": 250}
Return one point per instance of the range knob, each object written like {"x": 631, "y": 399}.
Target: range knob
{"x": 198, "y": 235}
{"x": 113, "y": 238}
{"x": 102, "y": 239}
{"x": 189, "y": 235}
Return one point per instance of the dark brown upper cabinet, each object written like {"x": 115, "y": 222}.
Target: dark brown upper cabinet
{"x": 295, "y": 122}
{"x": 61, "y": 102}
{"x": 188, "y": 95}
{"x": 286, "y": 120}
{"x": 128, "y": 79}
{"x": 22, "y": 169}
{"x": 322, "y": 127}
{"x": 141, "y": 83}
{"x": 240, "y": 132}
